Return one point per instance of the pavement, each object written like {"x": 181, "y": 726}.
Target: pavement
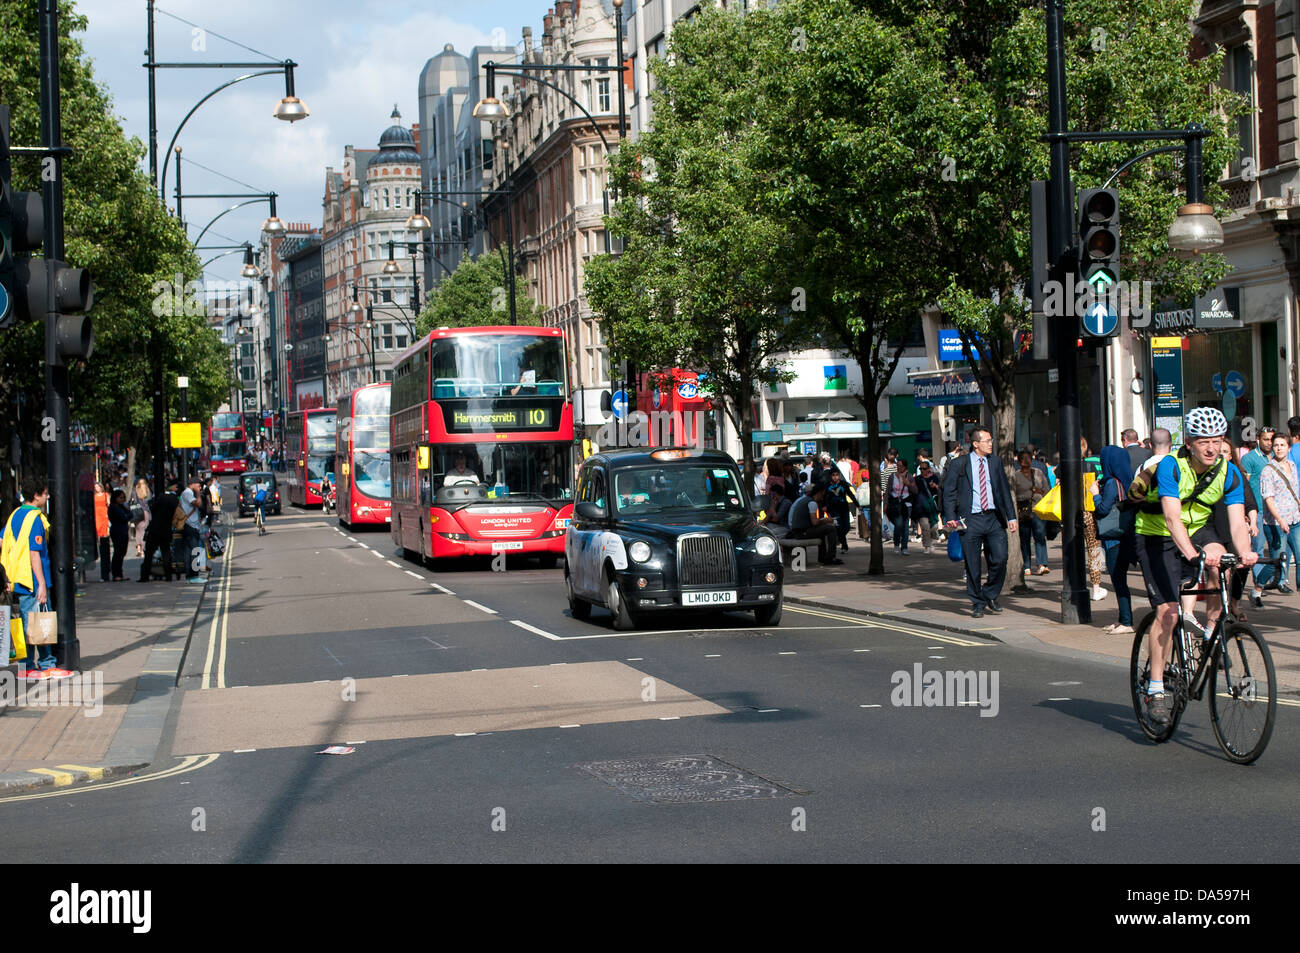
{"x": 107, "y": 720}
{"x": 134, "y": 637}
{"x": 929, "y": 589}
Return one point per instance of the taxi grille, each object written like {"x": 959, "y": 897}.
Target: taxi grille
{"x": 706, "y": 561}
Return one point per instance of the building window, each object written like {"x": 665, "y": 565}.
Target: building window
{"x": 1240, "y": 67}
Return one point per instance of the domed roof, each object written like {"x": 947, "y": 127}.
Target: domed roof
{"x": 444, "y": 71}
{"x": 396, "y": 145}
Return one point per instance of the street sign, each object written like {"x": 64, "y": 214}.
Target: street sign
{"x": 1101, "y": 320}
{"x": 1236, "y": 384}
{"x": 950, "y": 348}
{"x": 6, "y": 304}
{"x": 186, "y": 435}
{"x": 618, "y": 404}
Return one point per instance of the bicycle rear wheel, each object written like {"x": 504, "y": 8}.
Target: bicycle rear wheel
{"x": 1243, "y": 693}
{"x": 1140, "y": 673}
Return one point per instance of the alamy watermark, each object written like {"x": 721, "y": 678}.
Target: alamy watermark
{"x": 79, "y": 690}
{"x": 1077, "y": 298}
{"x": 657, "y": 428}
{"x": 935, "y": 689}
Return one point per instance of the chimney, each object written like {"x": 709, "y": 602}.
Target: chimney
{"x": 564, "y": 9}
{"x": 547, "y": 22}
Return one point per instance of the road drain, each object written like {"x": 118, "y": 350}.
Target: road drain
{"x": 684, "y": 780}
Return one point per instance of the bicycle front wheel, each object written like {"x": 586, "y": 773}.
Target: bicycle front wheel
{"x": 1140, "y": 673}
{"x": 1243, "y": 693}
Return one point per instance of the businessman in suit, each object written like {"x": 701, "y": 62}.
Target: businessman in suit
{"x": 975, "y": 489}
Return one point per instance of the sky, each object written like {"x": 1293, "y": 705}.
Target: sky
{"x": 355, "y": 60}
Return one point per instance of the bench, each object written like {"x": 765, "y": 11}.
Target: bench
{"x": 790, "y": 544}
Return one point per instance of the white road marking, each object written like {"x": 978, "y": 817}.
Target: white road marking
{"x": 553, "y": 664}
{"x": 465, "y": 734}
{"x": 638, "y": 659}
{"x": 379, "y": 554}
{"x": 442, "y": 588}
{"x": 1065, "y": 683}
{"x": 535, "y": 630}
{"x": 713, "y": 656}
{"x": 868, "y": 706}
{"x": 400, "y": 676}
{"x": 570, "y": 726}
{"x": 362, "y": 545}
{"x": 415, "y": 575}
{"x": 763, "y": 711}
{"x": 787, "y": 653}
{"x": 670, "y": 717}
{"x": 393, "y": 564}
{"x": 244, "y": 750}
{"x": 862, "y": 650}
{"x": 471, "y": 602}
{"x": 627, "y": 635}
{"x": 938, "y": 656}
{"x": 1059, "y": 699}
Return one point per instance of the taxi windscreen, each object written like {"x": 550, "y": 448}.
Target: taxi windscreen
{"x": 640, "y": 490}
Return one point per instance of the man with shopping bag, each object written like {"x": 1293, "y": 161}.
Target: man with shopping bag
{"x": 24, "y": 552}
{"x": 977, "y": 502}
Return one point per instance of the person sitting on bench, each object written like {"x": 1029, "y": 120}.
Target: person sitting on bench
{"x": 808, "y": 520}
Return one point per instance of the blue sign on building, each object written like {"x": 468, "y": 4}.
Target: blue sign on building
{"x": 950, "y": 346}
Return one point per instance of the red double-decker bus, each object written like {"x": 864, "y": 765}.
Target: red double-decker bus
{"x": 363, "y": 482}
{"x": 309, "y": 451}
{"x": 227, "y": 444}
{"x": 482, "y": 443}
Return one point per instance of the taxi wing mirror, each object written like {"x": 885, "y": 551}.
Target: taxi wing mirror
{"x": 590, "y": 511}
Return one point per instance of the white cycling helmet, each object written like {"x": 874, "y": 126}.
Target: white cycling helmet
{"x": 1206, "y": 422}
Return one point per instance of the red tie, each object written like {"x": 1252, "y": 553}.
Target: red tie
{"x": 984, "y": 486}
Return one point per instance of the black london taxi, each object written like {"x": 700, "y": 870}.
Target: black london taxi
{"x": 248, "y": 483}
{"x": 668, "y": 528}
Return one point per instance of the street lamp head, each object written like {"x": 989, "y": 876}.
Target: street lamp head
{"x": 328, "y": 337}
{"x": 291, "y": 109}
{"x": 354, "y": 308}
{"x": 419, "y": 222}
{"x": 249, "y": 270}
{"x": 273, "y": 226}
{"x": 392, "y": 268}
{"x": 1196, "y": 230}
{"x": 491, "y": 109}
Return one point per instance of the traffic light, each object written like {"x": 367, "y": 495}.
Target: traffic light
{"x": 22, "y": 223}
{"x": 1099, "y": 258}
{"x": 25, "y": 280}
{"x": 1099, "y": 238}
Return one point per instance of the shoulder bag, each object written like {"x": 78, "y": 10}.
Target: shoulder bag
{"x": 1111, "y": 525}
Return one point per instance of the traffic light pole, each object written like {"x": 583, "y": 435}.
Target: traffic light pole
{"x": 59, "y": 451}
{"x": 1076, "y": 603}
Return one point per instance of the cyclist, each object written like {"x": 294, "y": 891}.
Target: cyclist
{"x": 1174, "y": 527}
{"x": 261, "y": 497}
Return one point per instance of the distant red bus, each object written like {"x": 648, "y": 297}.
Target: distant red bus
{"x": 227, "y": 444}
{"x": 309, "y": 452}
{"x": 362, "y": 479}
{"x": 482, "y": 443}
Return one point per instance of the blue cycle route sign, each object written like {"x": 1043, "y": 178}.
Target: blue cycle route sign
{"x": 5, "y": 303}
{"x": 618, "y": 404}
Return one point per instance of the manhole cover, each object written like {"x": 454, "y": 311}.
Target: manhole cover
{"x": 683, "y": 780}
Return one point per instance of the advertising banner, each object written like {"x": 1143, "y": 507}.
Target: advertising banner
{"x": 942, "y": 388}
{"x": 1167, "y": 392}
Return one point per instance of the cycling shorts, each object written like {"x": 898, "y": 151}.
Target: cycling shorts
{"x": 1164, "y": 568}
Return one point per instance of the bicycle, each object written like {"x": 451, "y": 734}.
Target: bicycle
{"x": 1233, "y": 660}
{"x": 259, "y": 518}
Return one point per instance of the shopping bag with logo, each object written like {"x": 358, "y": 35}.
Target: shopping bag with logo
{"x": 42, "y": 627}
{"x": 1049, "y": 507}
{"x": 216, "y": 545}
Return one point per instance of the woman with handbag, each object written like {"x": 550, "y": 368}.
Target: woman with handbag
{"x": 1094, "y": 559}
{"x": 898, "y": 504}
{"x": 1117, "y": 531}
{"x": 929, "y": 491}
{"x": 119, "y": 521}
{"x": 140, "y": 513}
{"x": 1030, "y": 485}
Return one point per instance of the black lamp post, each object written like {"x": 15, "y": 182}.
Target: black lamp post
{"x": 1190, "y": 232}
{"x": 370, "y": 345}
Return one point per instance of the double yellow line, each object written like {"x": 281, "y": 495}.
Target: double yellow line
{"x": 878, "y": 623}
{"x": 220, "y": 618}
{"x": 190, "y": 763}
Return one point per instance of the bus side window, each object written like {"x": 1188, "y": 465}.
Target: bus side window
{"x": 426, "y": 487}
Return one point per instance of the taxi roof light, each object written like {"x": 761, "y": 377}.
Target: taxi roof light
{"x": 674, "y": 454}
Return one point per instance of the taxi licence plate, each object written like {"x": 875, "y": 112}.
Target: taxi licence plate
{"x": 503, "y": 547}
{"x": 712, "y": 597}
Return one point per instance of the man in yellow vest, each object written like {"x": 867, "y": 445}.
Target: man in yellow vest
{"x": 1174, "y": 527}
{"x": 25, "y": 554}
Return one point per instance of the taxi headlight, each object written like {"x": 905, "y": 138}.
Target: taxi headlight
{"x": 765, "y": 545}
{"x": 639, "y": 551}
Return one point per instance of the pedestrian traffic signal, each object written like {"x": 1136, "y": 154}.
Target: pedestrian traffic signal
{"x": 24, "y": 281}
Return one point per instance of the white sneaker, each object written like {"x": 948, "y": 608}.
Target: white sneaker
{"x": 1098, "y": 593}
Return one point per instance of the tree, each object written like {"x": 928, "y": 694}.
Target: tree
{"x": 116, "y": 227}
{"x": 704, "y": 280}
{"x": 476, "y": 295}
{"x": 856, "y": 136}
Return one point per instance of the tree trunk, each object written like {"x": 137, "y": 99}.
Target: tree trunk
{"x": 874, "y": 456}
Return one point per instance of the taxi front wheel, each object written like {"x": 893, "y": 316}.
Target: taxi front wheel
{"x": 768, "y": 615}
{"x": 617, "y": 606}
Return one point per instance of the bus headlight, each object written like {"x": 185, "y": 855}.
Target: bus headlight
{"x": 765, "y": 545}
{"x": 639, "y": 551}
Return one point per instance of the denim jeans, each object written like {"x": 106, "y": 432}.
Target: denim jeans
{"x": 38, "y": 656}
{"x": 1287, "y": 547}
{"x": 1033, "y": 526}
{"x": 1262, "y": 547}
{"x": 1120, "y": 555}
